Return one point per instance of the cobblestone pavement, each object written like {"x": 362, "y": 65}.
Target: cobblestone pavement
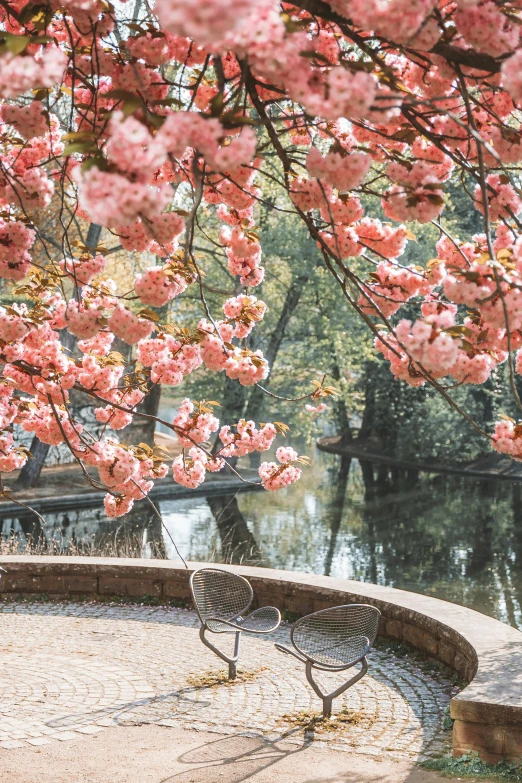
{"x": 68, "y": 670}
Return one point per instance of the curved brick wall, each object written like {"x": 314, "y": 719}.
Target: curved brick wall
{"x": 487, "y": 653}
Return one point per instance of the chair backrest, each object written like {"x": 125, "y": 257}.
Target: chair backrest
{"x": 332, "y": 636}
{"x": 219, "y": 593}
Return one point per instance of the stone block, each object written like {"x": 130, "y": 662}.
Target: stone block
{"x": 413, "y": 635}
{"x": 430, "y": 643}
{"x": 513, "y": 742}
{"x": 176, "y": 589}
{"x": 48, "y": 583}
{"x": 460, "y": 664}
{"x": 478, "y": 736}
{"x": 446, "y": 653}
{"x": 80, "y": 584}
{"x": 16, "y": 583}
{"x": 298, "y": 605}
{"x": 321, "y": 603}
{"x": 268, "y": 599}
{"x": 394, "y": 629}
{"x": 129, "y": 587}
{"x": 469, "y": 671}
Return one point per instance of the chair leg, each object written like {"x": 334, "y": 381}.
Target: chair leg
{"x": 232, "y": 668}
{"x": 327, "y": 698}
{"x": 232, "y": 661}
{"x": 327, "y": 706}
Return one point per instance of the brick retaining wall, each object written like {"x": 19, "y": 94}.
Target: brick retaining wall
{"x": 485, "y": 652}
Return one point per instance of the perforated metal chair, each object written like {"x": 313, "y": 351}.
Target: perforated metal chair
{"x": 333, "y": 640}
{"x": 222, "y": 600}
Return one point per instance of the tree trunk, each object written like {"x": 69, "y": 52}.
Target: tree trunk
{"x": 142, "y": 430}
{"x": 368, "y": 418}
{"x": 368, "y": 478}
{"x": 30, "y": 472}
{"x": 340, "y": 410}
{"x": 257, "y": 397}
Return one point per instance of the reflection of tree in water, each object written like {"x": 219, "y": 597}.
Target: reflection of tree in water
{"x": 237, "y": 541}
{"x": 509, "y": 560}
{"x": 335, "y": 510}
{"x": 33, "y": 530}
{"x": 448, "y": 536}
{"x": 457, "y": 538}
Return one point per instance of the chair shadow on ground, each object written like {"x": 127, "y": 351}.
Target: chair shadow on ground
{"x": 232, "y": 759}
{"x": 239, "y": 758}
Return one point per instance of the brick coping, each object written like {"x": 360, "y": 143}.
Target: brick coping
{"x": 484, "y": 651}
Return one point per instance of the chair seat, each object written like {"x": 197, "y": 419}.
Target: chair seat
{"x": 341, "y": 653}
{"x": 336, "y": 637}
{"x": 261, "y": 620}
{"x": 216, "y": 627}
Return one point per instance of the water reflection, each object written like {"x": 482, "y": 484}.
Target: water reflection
{"x": 454, "y": 538}
{"x": 451, "y": 537}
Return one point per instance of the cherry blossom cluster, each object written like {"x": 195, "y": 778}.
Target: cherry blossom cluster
{"x": 190, "y": 469}
{"x": 243, "y": 254}
{"x": 247, "y": 438}
{"x": 339, "y": 169}
{"x": 390, "y": 286}
{"x": 20, "y": 74}
{"x": 160, "y": 284}
{"x": 246, "y": 366}
{"x": 277, "y": 476}
{"x": 16, "y": 239}
{"x": 169, "y": 359}
{"x": 207, "y": 108}
{"x": 194, "y": 426}
{"x": 507, "y": 438}
{"x": 245, "y": 311}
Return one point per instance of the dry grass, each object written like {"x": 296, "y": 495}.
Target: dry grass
{"x": 119, "y": 544}
{"x": 315, "y": 722}
{"x": 212, "y": 679}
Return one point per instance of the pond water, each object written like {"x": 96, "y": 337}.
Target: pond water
{"x": 451, "y": 537}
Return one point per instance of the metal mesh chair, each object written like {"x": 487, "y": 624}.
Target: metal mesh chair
{"x": 222, "y": 600}
{"x": 333, "y": 640}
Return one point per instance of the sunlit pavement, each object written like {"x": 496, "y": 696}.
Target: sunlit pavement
{"x": 71, "y": 671}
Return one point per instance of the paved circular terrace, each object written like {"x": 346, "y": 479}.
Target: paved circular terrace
{"x": 70, "y": 670}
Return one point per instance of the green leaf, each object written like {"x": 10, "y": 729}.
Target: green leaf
{"x": 77, "y": 136}
{"x": 95, "y": 162}
{"x": 16, "y": 44}
{"x": 41, "y": 95}
{"x": 311, "y": 55}
{"x": 121, "y": 95}
{"x": 167, "y": 102}
{"x": 434, "y": 198}
{"x": 83, "y": 147}
{"x": 216, "y": 104}
{"x": 131, "y": 101}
